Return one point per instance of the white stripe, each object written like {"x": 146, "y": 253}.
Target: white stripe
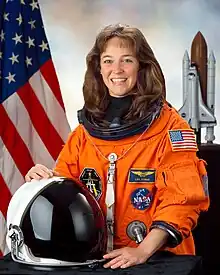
{"x": 9, "y": 170}
{"x": 50, "y": 104}
{"x": 188, "y": 137}
{"x": 19, "y": 116}
{"x": 3, "y": 229}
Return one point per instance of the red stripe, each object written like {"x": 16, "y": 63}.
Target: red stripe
{"x": 184, "y": 142}
{"x": 50, "y": 76}
{"x": 42, "y": 124}
{"x": 14, "y": 143}
{"x": 187, "y": 131}
{"x": 1, "y": 254}
{"x": 185, "y": 149}
{"x": 5, "y": 196}
{"x": 185, "y": 146}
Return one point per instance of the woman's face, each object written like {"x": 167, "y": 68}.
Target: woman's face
{"x": 119, "y": 67}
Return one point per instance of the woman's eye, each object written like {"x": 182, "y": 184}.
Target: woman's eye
{"x": 107, "y": 61}
{"x": 127, "y": 60}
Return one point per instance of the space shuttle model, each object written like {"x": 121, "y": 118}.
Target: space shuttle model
{"x": 198, "y": 76}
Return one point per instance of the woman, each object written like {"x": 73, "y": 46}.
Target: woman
{"x": 133, "y": 151}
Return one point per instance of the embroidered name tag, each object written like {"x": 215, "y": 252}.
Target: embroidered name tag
{"x": 142, "y": 175}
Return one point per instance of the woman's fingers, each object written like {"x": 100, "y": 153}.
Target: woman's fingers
{"x": 38, "y": 172}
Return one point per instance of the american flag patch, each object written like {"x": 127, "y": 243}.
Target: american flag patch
{"x": 182, "y": 140}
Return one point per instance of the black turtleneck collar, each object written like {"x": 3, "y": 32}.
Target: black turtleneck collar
{"x": 117, "y": 108}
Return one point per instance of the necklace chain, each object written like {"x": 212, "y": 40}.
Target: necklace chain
{"x": 106, "y": 158}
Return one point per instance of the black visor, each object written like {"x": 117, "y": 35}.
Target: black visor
{"x": 65, "y": 222}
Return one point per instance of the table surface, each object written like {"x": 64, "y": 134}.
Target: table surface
{"x": 159, "y": 264}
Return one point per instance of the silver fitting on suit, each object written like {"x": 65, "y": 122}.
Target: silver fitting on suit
{"x": 137, "y": 231}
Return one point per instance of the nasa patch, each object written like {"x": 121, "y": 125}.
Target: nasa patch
{"x": 141, "y": 198}
{"x": 91, "y": 179}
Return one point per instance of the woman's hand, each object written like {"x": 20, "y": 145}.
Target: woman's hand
{"x": 128, "y": 256}
{"x": 40, "y": 171}
{"x": 125, "y": 257}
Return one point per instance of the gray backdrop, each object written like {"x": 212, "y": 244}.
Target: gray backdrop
{"x": 169, "y": 26}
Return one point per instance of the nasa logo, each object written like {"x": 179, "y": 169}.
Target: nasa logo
{"x": 141, "y": 198}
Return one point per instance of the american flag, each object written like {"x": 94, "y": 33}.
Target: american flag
{"x": 183, "y": 140}
{"x": 33, "y": 123}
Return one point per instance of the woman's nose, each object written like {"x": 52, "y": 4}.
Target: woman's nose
{"x": 117, "y": 67}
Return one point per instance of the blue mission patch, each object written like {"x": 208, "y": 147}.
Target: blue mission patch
{"x": 141, "y": 198}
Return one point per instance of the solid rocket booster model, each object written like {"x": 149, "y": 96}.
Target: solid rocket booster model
{"x": 199, "y": 88}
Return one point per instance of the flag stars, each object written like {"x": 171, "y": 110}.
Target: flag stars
{"x": 2, "y": 36}
{"x": 10, "y": 78}
{"x": 28, "y": 61}
{"x": 22, "y": 2}
{"x": 5, "y": 16}
{"x": 19, "y": 19}
{"x": 30, "y": 42}
{"x": 32, "y": 22}
{"x": 44, "y": 46}
{"x": 1, "y": 55}
{"x": 14, "y": 58}
{"x": 34, "y": 5}
{"x": 17, "y": 38}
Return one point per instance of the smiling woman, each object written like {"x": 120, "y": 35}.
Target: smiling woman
{"x": 133, "y": 152}
{"x": 122, "y": 63}
{"x": 119, "y": 67}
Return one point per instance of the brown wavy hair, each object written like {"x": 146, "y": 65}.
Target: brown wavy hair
{"x": 150, "y": 86}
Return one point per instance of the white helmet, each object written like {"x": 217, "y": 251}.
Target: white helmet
{"x": 55, "y": 222}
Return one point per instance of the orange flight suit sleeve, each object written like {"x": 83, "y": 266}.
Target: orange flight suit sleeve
{"x": 182, "y": 191}
{"x": 67, "y": 161}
